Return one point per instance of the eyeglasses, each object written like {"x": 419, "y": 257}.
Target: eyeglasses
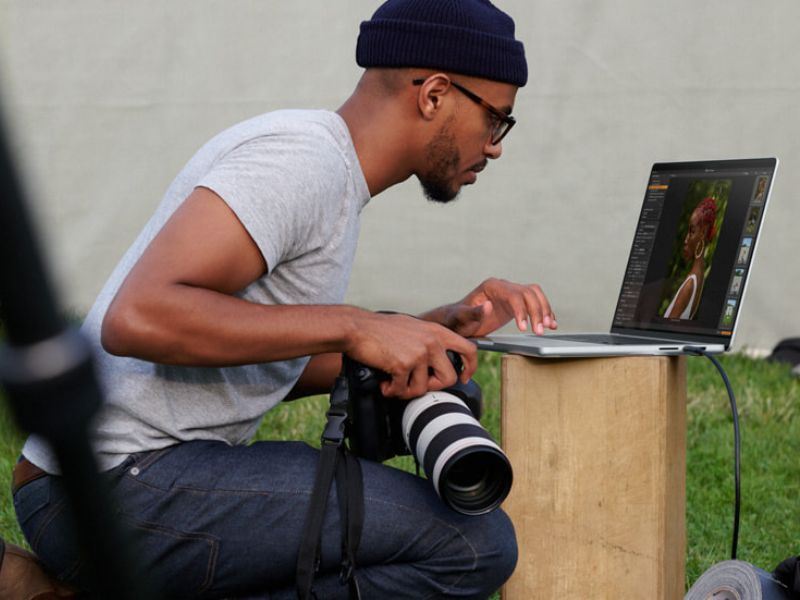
{"x": 503, "y": 122}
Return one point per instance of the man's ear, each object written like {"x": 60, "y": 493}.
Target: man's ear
{"x": 431, "y": 93}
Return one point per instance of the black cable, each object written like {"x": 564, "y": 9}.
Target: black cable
{"x": 737, "y": 451}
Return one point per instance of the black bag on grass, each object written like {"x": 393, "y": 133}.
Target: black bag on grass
{"x": 788, "y": 573}
{"x": 787, "y": 351}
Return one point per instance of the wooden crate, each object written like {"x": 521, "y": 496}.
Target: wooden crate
{"x": 598, "y": 448}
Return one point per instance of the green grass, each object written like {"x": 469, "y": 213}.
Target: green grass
{"x": 768, "y": 399}
{"x": 769, "y": 407}
{"x": 10, "y": 443}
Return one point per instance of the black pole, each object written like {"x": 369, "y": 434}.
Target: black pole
{"x": 47, "y": 370}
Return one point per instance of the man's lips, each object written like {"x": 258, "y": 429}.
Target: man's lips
{"x": 472, "y": 172}
{"x": 479, "y": 167}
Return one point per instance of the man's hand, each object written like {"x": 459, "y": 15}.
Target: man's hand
{"x": 493, "y": 304}
{"x": 412, "y": 351}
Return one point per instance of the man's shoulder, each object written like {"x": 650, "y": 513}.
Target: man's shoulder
{"x": 298, "y": 154}
{"x": 291, "y": 122}
{"x": 321, "y": 137}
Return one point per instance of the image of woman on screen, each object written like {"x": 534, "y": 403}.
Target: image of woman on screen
{"x": 701, "y": 231}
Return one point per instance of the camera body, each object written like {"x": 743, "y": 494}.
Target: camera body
{"x": 468, "y": 470}
{"x": 375, "y": 428}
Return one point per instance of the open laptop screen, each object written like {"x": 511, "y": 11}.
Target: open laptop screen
{"x": 693, "y": 248}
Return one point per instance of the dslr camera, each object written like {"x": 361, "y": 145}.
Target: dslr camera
{"x": 468, "y": 470}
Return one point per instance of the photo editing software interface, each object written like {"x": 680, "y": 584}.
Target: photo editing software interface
{"x": 693, "y": 247}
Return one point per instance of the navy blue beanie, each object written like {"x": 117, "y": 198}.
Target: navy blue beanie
{"x": 471, "y": 37}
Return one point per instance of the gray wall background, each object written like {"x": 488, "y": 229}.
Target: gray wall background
{"x": 108, "y": 99}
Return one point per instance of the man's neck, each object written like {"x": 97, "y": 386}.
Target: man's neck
{"x": 384, "y": 149}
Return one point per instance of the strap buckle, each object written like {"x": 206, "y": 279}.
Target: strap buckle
{"x": 334, "y": 428}
{"x": 337, "y": 413}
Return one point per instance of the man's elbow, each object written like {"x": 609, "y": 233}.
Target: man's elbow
{"x": 119, "y": 332}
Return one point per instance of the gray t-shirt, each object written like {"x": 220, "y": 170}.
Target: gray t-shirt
{"x": 294, "y": 181}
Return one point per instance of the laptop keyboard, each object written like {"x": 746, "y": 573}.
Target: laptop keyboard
{"x": 604, "y": 338}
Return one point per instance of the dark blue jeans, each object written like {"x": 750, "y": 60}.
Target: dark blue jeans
{"x": 214, "y": 521}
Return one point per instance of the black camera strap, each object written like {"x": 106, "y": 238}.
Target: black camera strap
{"x": 335, "y": 462}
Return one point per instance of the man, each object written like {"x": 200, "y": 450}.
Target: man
{"x": 211, "y": 317}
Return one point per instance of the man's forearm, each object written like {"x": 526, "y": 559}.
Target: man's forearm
{"x": 193, "y": 326}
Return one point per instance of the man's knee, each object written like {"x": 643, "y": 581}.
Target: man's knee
{"x": 499, "y": 556}
{"x": 489, "y": 556}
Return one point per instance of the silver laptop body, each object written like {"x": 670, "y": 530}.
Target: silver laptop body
{"x": 677, "y": 292}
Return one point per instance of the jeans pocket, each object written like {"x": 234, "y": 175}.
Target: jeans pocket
{"x": 31, "y": 499}
{"x": 48, "y": 527}
{"x": 181, "y": 563}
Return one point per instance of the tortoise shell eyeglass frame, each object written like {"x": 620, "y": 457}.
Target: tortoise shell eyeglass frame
{"x": 504, "y": 121}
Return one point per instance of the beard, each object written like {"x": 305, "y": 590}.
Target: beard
{"x": 443, "y": 159}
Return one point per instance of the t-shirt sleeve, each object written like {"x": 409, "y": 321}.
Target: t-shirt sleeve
{"x": 283, "y": 189}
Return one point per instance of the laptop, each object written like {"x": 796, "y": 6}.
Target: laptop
{"x": 688, "y": 268}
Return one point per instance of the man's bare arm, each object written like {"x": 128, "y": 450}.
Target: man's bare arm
{"x": 177, "y": 306}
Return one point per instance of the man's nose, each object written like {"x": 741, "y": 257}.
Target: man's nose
{"x": 493, "y": 151}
